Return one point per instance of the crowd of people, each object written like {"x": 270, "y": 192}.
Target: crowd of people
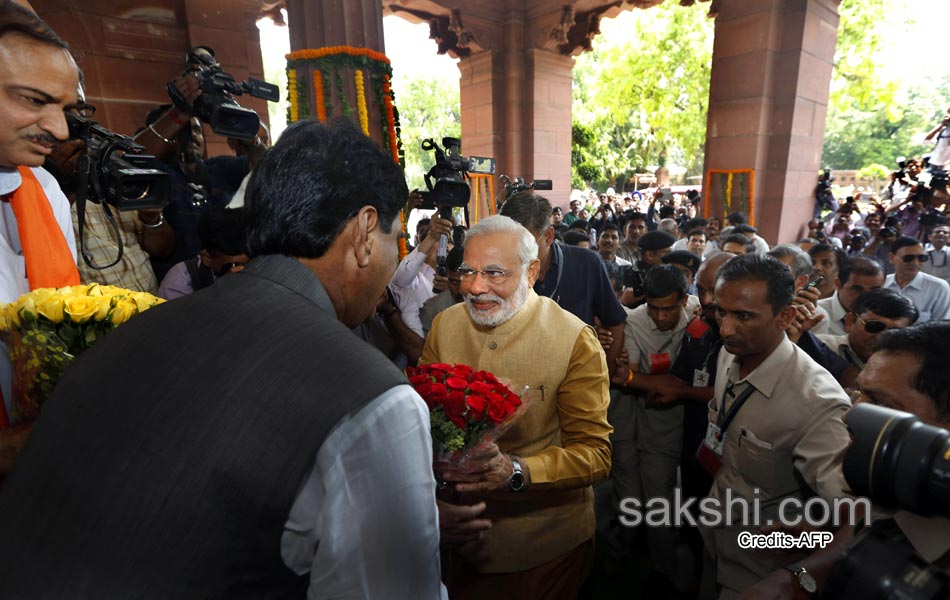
{"x": 256, "y": 436}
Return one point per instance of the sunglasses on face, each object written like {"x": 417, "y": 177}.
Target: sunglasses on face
{"x": 872, "y": 326}
{"x": 909, "y": 258}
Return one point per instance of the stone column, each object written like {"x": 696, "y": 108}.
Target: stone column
{"x": 771, "y": 72}
{"x": 321, "y": 23}
{"x": 516, "y": 106}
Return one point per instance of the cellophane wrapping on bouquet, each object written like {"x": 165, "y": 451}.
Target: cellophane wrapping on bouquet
{"x": 467, "y": 408}
{"x": 47, "y": 328}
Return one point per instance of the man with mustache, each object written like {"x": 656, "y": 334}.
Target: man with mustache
{"x": 38, "y": 82}
{"x": 536, "y": 481}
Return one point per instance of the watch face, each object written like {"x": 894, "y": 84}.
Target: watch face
{"x": 516, "y": 482}
{"x": 807, "y": 582}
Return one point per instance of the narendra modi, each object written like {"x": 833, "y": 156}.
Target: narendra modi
{"x": 536, "y": 481}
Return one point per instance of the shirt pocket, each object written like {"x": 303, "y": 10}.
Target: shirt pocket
{"x": 758, "y": 461}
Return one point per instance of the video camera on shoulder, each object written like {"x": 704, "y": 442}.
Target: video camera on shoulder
{"x": 445, "y": 181}
{"x": 216, "y": 106}
{"x": 115, "y": 170}
{"x": 632, "y": 278}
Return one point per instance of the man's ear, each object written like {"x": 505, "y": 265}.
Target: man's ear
{"x": 892, "y": 258}
{"x": 363, "y": 233}
{"x": 849, "y": 320}
{"x": 548, "y": 236}
{"x": 205, "y": 258}
{"x": 534, "y": 268}
{"x": 800, "y": 282}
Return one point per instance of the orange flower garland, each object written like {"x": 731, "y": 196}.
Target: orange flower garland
{"x": 403, "y": 249}
{"x": 318, "y": 94}
{"x": 312, "y": 54}
{"x": 390, "y": 118}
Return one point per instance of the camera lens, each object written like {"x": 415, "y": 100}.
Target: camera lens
{"x": 898, "y": 461}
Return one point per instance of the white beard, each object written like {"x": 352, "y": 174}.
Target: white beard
{"x": 507, "y": 308}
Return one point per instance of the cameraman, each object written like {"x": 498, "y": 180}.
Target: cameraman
{"x": 38, "y": 81}
{"x": 941, "y": 155}
{"x": 174, "y": 135}
{"x": 907, "y": 372}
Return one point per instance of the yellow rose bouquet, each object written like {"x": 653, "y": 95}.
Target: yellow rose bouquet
{"x": 47, "y": 328}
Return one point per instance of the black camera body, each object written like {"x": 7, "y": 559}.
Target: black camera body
{"x": 632, "y": 277}
{"x": 445, "y": 181}
{"x": 127, "y": 181}
{"x": 216, "y": 105}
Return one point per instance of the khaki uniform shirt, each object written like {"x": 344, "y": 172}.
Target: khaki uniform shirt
{"x": 790, "y": 430}
{"x": 563, "y": 437}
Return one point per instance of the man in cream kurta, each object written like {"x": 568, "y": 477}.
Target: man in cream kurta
{"x": 561, "y": 442}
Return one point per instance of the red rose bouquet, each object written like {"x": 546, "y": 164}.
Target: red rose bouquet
{"x": 466, "y": 407}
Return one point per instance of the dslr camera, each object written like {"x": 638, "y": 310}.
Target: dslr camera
{"x": 445, "y": 181}
{"x": 216, "y": 105}
{"x": 898, "y": 462}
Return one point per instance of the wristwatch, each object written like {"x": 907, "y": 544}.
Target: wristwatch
{"x": 805, "y": 580}
{"x": 516, "y": 481}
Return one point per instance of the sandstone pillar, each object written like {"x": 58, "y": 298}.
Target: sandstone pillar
{"x": 321, "y": 23}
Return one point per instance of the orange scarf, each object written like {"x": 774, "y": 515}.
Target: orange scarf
{"x": 49, "y": 261}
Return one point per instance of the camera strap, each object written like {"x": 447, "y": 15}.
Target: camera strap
{"x": 559, "y": 256}
{"x": 725, "y": 418}
{"x": 83, "y": 166}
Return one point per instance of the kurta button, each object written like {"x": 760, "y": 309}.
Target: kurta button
{"x": 492, "y": 345}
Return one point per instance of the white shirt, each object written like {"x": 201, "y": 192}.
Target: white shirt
{"x": 941, "y": 154}
{"x": 365, "y": 523}
{"x": 237, "y": 200}
{"x": 841, "y": 346}
{"x": 836, "y": 313}
{"x": 761, "y": 246}
{"x": 620, "y": 262}
{"x": 930, "y": 295}
{"x": 412, "y": 286}
{"x": 13, "y": 282}
{"x": 939, "y": 263}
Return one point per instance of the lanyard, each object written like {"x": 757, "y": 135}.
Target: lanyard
{"x": 725, "y": 420}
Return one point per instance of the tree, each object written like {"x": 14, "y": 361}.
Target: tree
{"x": 643, "y": 93}
{"x": 431, "y": 108}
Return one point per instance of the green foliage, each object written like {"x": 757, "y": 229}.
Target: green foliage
{"x": 643, "y": 94}
{"x": 430, "y": 109}
{"x": 875, "y": 115}
{"x": 872, "y": 172}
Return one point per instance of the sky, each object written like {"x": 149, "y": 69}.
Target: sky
{"x": 914, "y": 47}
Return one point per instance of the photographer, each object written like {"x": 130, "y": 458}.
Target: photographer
{"x": 941, "y": 155}
{"x": 39, "y": 80}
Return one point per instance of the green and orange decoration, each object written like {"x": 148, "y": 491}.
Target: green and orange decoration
{"x": 353, "y": 82}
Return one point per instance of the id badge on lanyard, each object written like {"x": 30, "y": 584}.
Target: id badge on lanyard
{"x": 709, "y": 453}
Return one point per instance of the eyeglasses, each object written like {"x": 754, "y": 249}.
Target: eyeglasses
{"x": 494, "y": 276}
{"x": 909, "y": 258}
{"x": 82, "y": 109}
{"x": 872, "y": 326}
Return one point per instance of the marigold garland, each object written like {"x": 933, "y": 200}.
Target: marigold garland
{"x": 403, "y": 249}
{"x": 390, "y": 118}
{"x": 312, "y": 54}
{"x": 361, "y": 100}
{"x": 292, "y": 99}
{"x": 318, "y": 95}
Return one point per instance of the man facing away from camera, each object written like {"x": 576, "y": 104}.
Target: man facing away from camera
{"x": 536, "y": 481}
{"x": 286, "y": 455}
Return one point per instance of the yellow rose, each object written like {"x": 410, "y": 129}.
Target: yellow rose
{"x": 104, "y": 303}
{"x": 93, "y": 289}
{"x": 51, "y": 307}
{"x": 123, "y": 310}
{"x": 143, "y": 300}
{"x": 6, "y": 321}
{"x": 80, "y": 308}
{"x": 26, "y": 305}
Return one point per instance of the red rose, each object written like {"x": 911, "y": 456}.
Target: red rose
{"x": 439, "y": 367}
{"x": 477, "y": 404}
{"x": 497, "y": 411}
{"x": 454, "y": 405}
{"x": 416, "y": 380}
{"x": 438, "y": 392}
{"x": 461, "y": 371}
{"x": 458, "y": 422}
{"x": 480, "y": 387}
{"x": 486, "y": 376}
{"x": 456, "y": 383}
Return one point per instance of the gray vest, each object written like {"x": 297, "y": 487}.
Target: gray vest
{"x": 166, "y": 462}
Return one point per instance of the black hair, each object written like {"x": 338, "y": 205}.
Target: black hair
{"x": 581, "y": 224}
{"x": 423, "y": 221}
{"x": 573, "y": 237}
{"x": 780, "y": 284}
{"x": 608, "y": 227}
{"x": 887, "y": 303}
{"x": 697, "y": 231}
{"x": 904, "y": 242}
{"x": 744, "y": 228}
{"x": 738, "y": 238}
{"x": 222, "y": 230}
{"x": 313, "y": 181}
{"x": 694, "y": 223}
{"x": 841, "y": 257}
{"x": 667, "y": 211}
{"x": 861, "y": 265}
{"x": 665, "y": 280}
{"x": 737, "y": 218}
{"x": 15, "y": 18}
{"x": 453, "y": 260}
{"x": 929, "y": 342}
{"x": 531, "y": 210}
